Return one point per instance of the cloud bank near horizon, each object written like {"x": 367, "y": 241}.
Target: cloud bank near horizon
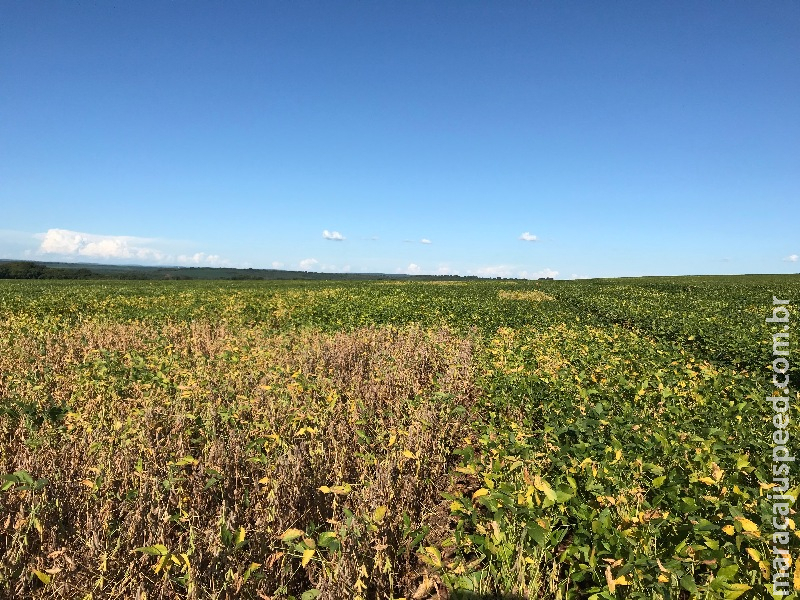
{"x": 69, "y": 244}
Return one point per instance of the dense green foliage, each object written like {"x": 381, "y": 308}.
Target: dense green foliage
{"x": 32, "y": 270}
{"x": 586, "y": 439}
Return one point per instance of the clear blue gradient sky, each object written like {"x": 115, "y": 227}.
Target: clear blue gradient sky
{"x": 497, "y": 138}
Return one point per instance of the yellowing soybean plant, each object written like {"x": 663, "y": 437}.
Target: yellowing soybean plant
{"x": 588, "y": 439}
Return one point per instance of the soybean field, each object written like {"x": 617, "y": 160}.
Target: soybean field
{"x": 593, "y": 439}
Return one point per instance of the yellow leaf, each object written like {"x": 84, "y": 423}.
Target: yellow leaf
{"x": 764, "y": 566}
{"x": 263, "y": 480}
{"x": 307, "y": 555}
{"x": 239, "y": 536}
{"x": 379, "y": 513}
{"x": 160, "y": 564}
{"x": 433, "y": 555}
{"x": 622, "y": 580}
{"x": 728, "y": 529}
{"x": 663, "y": 578}
{"x": 291, "y": 534}
{"x": 735, "y": 590}
{"x": 748, "y": 525}
{"x": 324, "y": 489}
{"x": 541, "y": 485}
{"x": 409, "y": 454}
{"x": 754, "y": 554}
{"x": 43, "y": 577}
{"x": 479, "y": 493}
{"x": 392, "y": 440}
{"x": 797, "y": 576}
{"x": 707, "y": 480}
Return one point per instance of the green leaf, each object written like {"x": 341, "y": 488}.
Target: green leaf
{"x": 687, "y": 583}
{"x": 735, "y": 590}
{"x": 727, "y": 572}
{"x": 23, "y": 477}
{"x": 328, "y": 539}
{"x": 538, "y": 533}
{"x": 157, "y": 550}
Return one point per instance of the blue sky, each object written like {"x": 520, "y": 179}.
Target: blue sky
{"x": 575, "y": 139}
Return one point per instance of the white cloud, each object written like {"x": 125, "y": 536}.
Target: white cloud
{"x": 528, "y": 237}
{"x": 70, "y": 244}
{"x": 445, "y": 270}
{"x": 495, "y": 271}
{"x": 792, "y": 258}
{"x": 332, "y": 235}
{"x": 201, "y": 258}
{"x": 276, "y": 264}
{"x": 413, "y": 269}
{"x": 424, "y": 241}
{"x": 61, "y": 241}
{"x": 544, "y": 273}
{"x": 75, "y": 243}
{"x": 537, "y": 274}
{"x": 509, "y": 271}
{"x": 308, "y": 263}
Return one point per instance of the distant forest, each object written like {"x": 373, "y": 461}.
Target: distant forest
{"x": 32, "y": 270}
{"x": 37, "y": 270}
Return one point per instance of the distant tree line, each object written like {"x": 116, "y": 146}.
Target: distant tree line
{"x": 22, "y": 269}
{"x": 33, "y": 270}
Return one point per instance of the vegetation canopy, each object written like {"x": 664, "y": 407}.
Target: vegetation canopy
{"x": 481, "y": 439}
